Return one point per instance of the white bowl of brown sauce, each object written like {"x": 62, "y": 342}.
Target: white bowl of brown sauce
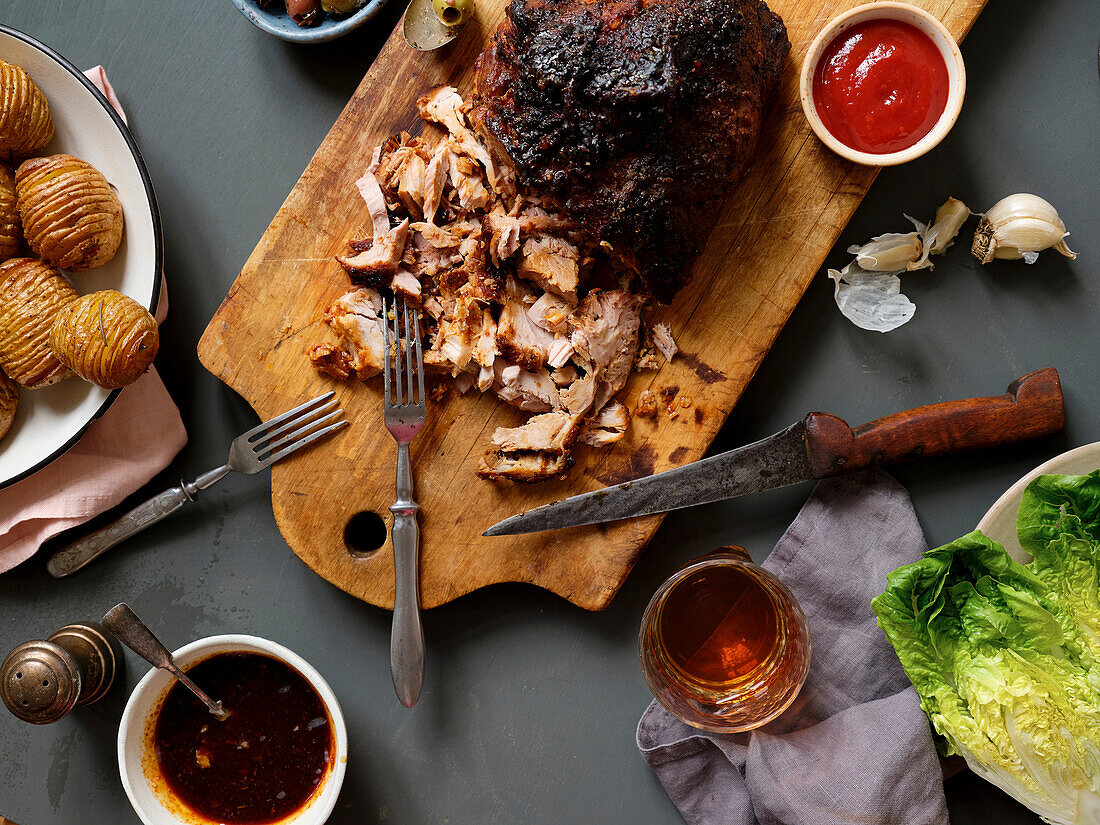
{"x": 279, "y": 756}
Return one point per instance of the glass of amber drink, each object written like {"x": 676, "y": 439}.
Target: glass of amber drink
{"x": 724, "y": 644}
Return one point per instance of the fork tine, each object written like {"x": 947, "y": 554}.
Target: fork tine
{"x": 270, "y": 447}
{"x": 409, "y": 353}
{"x": 386, "y": 348}
{"x": 285, "y": 451}
{"x": 419, "y": 357}
{"x": 399, "y": 387}
{"x": 279, "y": 419}
{"x": 290, "y": 424}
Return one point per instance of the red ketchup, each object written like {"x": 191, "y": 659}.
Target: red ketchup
{"x": 880, "y": 86}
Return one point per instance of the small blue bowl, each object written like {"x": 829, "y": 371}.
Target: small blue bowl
{"x": 275, "y": 21}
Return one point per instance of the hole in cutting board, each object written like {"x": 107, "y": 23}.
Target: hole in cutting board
{"x": 365, "y": 533}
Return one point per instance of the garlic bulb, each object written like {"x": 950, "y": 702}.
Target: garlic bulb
{"x": 888, "y": 253}
{"x": 1020, "y": 226}
{"x": 945, "y": 226}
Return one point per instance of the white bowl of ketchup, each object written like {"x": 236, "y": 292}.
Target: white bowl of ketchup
{"x": 883, "y": 83}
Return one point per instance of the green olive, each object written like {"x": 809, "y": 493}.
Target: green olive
{"x": 453, "y": 12}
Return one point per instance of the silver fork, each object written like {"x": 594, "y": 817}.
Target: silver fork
{"x": 404, "y": 412}
{"x": 249, "y": 453}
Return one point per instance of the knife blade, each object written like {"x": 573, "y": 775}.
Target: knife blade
{"x": 820, "y": 446}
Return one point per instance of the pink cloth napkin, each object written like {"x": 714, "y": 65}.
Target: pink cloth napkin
{"x": 133, "y": 441}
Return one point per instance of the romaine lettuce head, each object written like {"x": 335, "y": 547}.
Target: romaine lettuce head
{"x": 1006, "y": 656}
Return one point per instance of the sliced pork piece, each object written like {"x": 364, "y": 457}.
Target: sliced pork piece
{"x": 607, "y": 426}
{"x": 563, "y": 377}
{"x": 579, "y": 396}
{"x": 483, "y": 282}
{"x": 423, "y": 258}
{"x": 550, "y": 312}
{"x": 538, "y": 450}
{"x": 605, "y": 336}
{"x": 403, "y": 172}
{"x": 531, "y": 391}
{"x": 356, "y": 318}
{"x": 435, "y": 179}
{"x": 467, "y": 183}
{"x": 485, "y": 351}
{"x": 377, "y": 261}
{"x": 559, "y": 352}
{"x": 332, "y": 360}
{"x": 519, "y": 339}
{"x": 534, "y": 220}
{"x": 551, "y": 263}
{"x": 551, "y": 432}
{"x": 438, "y": 237}
{"x": 524, "y": 467}
{"x": 372, "y": 196}
{"x": 663, "y": 341}
{"x": 407, "y": 284}
{"x": 443, "y": 105}
{"x": 503, "y": 231}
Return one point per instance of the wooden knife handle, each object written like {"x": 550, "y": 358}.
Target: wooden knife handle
{"x": 1032, "y": 407}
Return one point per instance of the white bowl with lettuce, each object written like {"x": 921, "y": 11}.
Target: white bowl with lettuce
{"x": 1005, "y": 655}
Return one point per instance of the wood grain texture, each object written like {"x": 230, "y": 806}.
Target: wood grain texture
{"x": 768, "y": 245}
{"x": 1032, "y": 407}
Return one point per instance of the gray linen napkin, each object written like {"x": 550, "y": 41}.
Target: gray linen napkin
{"x": 855, "y": 746}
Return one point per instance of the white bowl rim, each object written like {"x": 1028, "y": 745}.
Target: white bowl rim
{"x": 1010, "y": 498}
{"x": 246, "y": 643}
{"x": 158, "y": 239}
{"x": 887, "y": 9}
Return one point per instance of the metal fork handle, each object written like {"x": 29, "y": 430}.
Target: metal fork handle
{"x": 407, "y": 635}
{"x": 95, "y": 544}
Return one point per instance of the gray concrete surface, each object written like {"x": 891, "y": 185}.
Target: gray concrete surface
{"x": 530, "y": 704}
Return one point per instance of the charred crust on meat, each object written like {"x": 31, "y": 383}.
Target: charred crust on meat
{"x": 638, "y": 118}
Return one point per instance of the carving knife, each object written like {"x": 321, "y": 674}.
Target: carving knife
{"x": 820, "y": 446}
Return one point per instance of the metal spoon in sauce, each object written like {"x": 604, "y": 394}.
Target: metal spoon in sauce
{"x": 431, "y": 24}
{"x": 125, "y": 625}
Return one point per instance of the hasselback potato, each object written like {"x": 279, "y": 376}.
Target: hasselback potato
{"x": 11, "y": 236}
{"x": 31, "y": 295}
{"x": 9, "y": 400}
{"x": 106, "y": 338}
{"x": 71, "y": 216}
{"x": 25, "y": 122}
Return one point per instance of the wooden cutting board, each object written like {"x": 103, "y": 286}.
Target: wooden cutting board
{"x": 768, "y": 245}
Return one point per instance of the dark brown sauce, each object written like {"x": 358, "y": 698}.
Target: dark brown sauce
{"x": 261, "y": 764}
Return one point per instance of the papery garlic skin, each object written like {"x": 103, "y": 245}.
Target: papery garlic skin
{"x": 871, "y": 300}
{"x": 1020, "y": 226}
{"x": 949, "y": 219}
{"x": 891, "y": 252}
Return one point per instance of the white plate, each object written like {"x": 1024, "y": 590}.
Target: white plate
{"x": 50, "y": 420}
{"x": 999, "y": 523}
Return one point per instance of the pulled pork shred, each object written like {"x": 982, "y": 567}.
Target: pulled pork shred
{"x": 511, "y": 297}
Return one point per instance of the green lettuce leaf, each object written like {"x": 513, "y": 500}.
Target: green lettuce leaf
{"x": 1005, "y": 656}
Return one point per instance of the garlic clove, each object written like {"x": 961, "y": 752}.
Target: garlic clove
{"x": 949, "y": 219}
{"x": 891, "y": 252}
{"x": 1020, "y": 226}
